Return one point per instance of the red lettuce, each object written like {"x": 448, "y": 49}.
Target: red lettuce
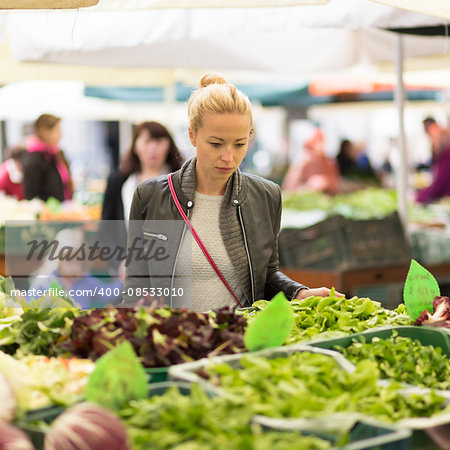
{"x": 440, "y": 316}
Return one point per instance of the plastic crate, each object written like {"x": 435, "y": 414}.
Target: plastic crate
{"x": 425, "y": 335}
{"x": 319, "y": 246}
{"x": 188, "y": 372}
{"x": 157, "y": 374}
{"x": 338, "y": 243}
{"x": 431, "y": 246}
{"x": 156, "y": 389}
{"x": 28, "y": 423}
{"x": 374, "y": 243}
{"x": 363, "y": 435}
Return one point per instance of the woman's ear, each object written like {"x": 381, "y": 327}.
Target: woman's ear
{"x": 192, "y": 137}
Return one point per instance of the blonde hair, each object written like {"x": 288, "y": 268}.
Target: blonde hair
{"x": 216, "y": 95}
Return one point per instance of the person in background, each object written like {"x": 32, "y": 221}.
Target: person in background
{"x": 11, "y": 172}
{"x": 45, "y": 168}
{"x": 440, "y": 165}
{"x": 353, "y": 163}
{"x": 314, "y": 170}
{"x": 153, "y": 152}
{"x": 73, "y": 276}
{"x": 235, "y": 215}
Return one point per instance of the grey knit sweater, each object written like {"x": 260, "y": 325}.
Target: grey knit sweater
{"x": 230, "y": 229}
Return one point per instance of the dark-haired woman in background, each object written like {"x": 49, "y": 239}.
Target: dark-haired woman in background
{"x": 152, "y": 153}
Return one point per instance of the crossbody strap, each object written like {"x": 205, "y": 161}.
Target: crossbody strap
{"x": 199, "y": 242}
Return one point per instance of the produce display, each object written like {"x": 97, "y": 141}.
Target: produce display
{"x": 333, "y": 316}
{"x": 38, "y": 382}
{"x": 197, "y": 421}
{"x": 403, "y": 359}
{"x": 12, "y": 209}
{"x": 160, "y": 337}
{"x": 38, "y": 331}
{"x": 273, "y": 387}
{"x": 48, "y": 351}
{"x": 368, "y": 203}
{"x": 87, "y": 426}
{"x": 69, "y": 210}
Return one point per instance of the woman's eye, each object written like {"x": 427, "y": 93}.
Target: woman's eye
{"x": 215, "y": 144}
{"x": 239, "y": 145}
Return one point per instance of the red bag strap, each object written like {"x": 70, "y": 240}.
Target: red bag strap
{"x": 197, "y": 238}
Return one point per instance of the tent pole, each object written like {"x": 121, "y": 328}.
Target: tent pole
{"x": 170, "y": 100}
{"x": 399, "y": 96}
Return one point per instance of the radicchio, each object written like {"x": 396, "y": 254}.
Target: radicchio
{"x": 440, "y": 316}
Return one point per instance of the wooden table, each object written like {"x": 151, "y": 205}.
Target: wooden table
{"x": 346, "y": 280}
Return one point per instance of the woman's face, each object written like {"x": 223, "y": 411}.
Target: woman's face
{"x": 152, "y": 152}
{"x": 51, "y": 136}
{"x": 221, "y": 144}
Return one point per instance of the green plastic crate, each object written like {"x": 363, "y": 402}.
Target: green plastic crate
{"x": 362, "y": 435}
{"x": 29, "y": 423}
{"x": 162, "y": 387}
{"x": 425, "y": 335}
{"x": 157, "y": 374}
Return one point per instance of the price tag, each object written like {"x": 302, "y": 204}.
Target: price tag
{"x": 419, "y": 291}
{"x": 118, "y": 377}
{"x": 272, "y": 326}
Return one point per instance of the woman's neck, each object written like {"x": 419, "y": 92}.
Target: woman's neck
{"x": 210, "y": 186}
{"x": 149, "y": 172}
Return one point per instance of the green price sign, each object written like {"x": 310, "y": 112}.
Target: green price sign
{"x": 419, "y": 291}
{"x": 272, "y": 326}
{"x": 118, "y": 377}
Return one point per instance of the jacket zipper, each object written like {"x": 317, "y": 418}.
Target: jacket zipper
{"x": 248, "y": 253}
{"x": 176, "y": 257}
{"x": 162, "y": 237}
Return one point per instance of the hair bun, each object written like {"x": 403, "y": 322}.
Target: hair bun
{"x": 212, "y": 78}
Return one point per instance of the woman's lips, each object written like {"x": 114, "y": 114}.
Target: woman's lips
{"x": 224, "y": 169}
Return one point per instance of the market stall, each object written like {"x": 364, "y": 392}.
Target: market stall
{"x": 363, "y": 392}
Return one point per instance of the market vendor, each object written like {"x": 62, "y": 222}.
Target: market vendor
{"x": 236, "y": 215}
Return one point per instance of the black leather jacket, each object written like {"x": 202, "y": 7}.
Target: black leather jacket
{"x": 258, "y": 209}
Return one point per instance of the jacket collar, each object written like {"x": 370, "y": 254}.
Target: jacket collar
{"x": 185, "y": 181}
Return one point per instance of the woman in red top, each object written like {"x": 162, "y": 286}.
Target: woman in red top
{"x": 11, "y": 173}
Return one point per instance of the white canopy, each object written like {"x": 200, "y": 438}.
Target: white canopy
{"x": 438, "y": 8}
{"x": 295, "y": 39}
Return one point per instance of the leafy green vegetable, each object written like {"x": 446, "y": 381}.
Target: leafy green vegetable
{"x": 368, "y": 203}
{"x": 403, "y": 359}
{"x": 312, "y": 385}
{"x": 332, "y": 316}
{"x": 175, "y": 421}
{"x": 38, "y": 332}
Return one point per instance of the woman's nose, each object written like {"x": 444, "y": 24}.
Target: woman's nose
{"x": 227, "y": 154}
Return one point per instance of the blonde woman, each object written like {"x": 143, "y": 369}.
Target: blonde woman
{"x": 236, "y": 216}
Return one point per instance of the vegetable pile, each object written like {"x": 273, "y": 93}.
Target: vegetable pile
{"x": 38, "y": 332}
{"x": 440, "y": 316}
{"x": 369, "y": 203}
{"x": 312, "y": 385}
{"x": 364, "y": 204}
{"x": 332, "y": 316}
{"x": 198, "y": 421}
{"x": 160, "y": 337}
{"x": 403, "y": 359}
{"x": 38, "y": 382}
